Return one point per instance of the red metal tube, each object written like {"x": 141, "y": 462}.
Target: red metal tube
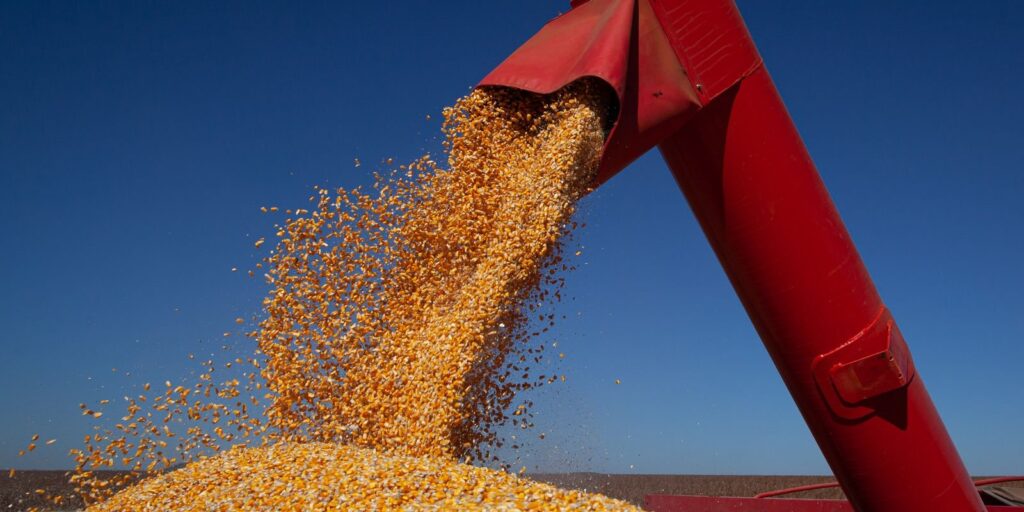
{"x": 766, "y": 212}
{"x": 688, "y": 78}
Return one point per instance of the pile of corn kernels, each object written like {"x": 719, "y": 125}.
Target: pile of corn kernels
{"x": 400, "y": 324}
{"x": 327, "y": 476}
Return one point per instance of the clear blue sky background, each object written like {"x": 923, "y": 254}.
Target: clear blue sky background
{"x": 139, "y": 139}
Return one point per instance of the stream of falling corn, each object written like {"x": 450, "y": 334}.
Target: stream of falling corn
{"x": 400, "y": 325}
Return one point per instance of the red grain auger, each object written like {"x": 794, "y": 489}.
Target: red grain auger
{"x": 689, "y": 80}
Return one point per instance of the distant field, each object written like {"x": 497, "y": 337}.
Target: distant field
{"x": 18, "y": 493}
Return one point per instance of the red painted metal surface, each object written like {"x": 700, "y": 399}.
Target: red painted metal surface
{"x": 999, "y": 480}
{"x": 635, "y": 46}
{"x": 665, "y": 503}
{"x": 799, "y": 488}
{"x": 611, "y": 40}
{"x": 688, "y": 79}
{"x": 756, "y": 193}
{"x": 830, "y": 485}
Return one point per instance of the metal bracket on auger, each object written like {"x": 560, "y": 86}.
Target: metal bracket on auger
{"x": 873, "y": 362}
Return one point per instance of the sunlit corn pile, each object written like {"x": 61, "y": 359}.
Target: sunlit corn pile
{"x": 325, "y": 476}
{"x": 400, "y": 324}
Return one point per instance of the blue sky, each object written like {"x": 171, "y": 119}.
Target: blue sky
{"x": 139, "y": 139}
